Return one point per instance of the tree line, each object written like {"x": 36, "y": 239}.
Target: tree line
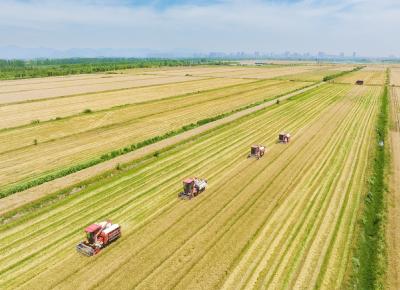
{"x": 18, "y": 69}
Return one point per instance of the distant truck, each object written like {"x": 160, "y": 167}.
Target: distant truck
{"x": 193, "y": 187}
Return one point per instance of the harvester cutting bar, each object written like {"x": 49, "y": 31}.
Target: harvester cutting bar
{"x": 85, "y": 249}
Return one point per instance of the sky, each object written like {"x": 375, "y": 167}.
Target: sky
{"x": 368, "y": 27}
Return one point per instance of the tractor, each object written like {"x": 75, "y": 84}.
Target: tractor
{"x": 98, "y": 236}
{"x": 256, "y": 151}
{"x": 284, "y": 137}
{"x": 193, "y": 187}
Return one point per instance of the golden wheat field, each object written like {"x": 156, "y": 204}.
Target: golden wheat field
{"x": 289, "y": 220}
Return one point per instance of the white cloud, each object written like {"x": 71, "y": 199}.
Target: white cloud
{"x": 365, "y": 26}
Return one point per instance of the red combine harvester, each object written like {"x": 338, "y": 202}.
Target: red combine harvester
{"x": 284, "y": 137}
{"x": 257, "y": 151}
{"x": 193, "y": 187}
{"x": 98, "y": 236}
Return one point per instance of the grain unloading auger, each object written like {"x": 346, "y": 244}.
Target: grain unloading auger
{"x": 98, "y": 236}
{"x": 193, "y": 187}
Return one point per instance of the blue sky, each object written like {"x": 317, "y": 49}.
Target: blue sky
{"x": 368, "y": 27}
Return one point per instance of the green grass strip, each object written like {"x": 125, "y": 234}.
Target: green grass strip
{"x": 334, "y": 76}
{"x": 369, "y": 262}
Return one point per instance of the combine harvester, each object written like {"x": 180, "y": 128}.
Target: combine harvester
{"x": 98, "y": 236}
{"x": 284, "y": 137}
{"x": 193, "y": 187}
{"x": 257, "y": 151}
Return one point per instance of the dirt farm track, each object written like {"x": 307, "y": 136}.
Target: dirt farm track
{"x": 290, "y": 220}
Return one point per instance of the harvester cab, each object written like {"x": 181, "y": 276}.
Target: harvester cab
{"x": 192, "y": 187}
{"x": 257, "y": 151}
{"x": 98, "y": 236}
{"x": 284, "y": 137}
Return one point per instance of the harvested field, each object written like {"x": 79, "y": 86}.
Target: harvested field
{"x": 63, "y": 107}
{"x": 44, "y": 88}
{"x": 285, "y": 221}
{"x": 196, "y": 71}
{"x": 395, "y": 76}
{"x": 41, "y": 88}
{"x": 313, "y": 76}
{"x": 393, "y": 228}
{"x": 370, "y": 76}
{"x": 69, "y": 141}
{"x": 247, "y": 72}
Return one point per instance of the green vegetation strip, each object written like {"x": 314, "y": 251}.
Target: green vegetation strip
{"x": 334, "y": 76}
{"x": 369, "y": 261}
{"x": 115, "y": 153}
{"x": 21, "y": 69}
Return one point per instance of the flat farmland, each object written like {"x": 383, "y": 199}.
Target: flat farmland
{"x": 42, "y": 88}
{"x": 262, "y": 72}
{"x": 316, "y": 74}
{"x": 286, "y": 221}
{"x": 370, "y": 76}
{"x": 45, "y": 88}
{"x": 395, "y": 76}
{"x": 52, "y": 108}
{"x": 393, "y": 228}
{"x": 65, "y": 142}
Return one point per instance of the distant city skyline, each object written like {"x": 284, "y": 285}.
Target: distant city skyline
{"x": 184, "y": 27}
{"x": 15, "y": 52}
